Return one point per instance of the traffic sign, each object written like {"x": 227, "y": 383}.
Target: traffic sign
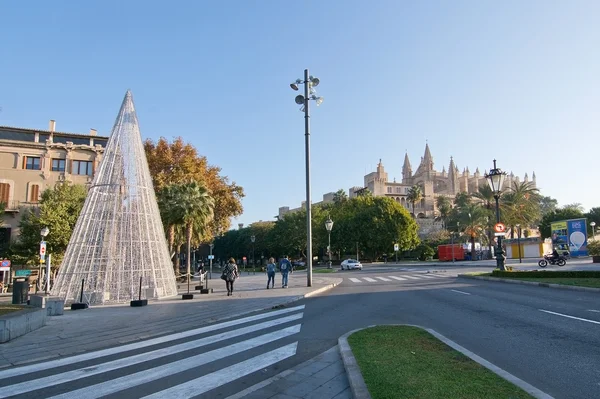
{"x": 43, "y": 248}
{"x": 5, "y": 263}
{"x": 244, "y": 258}
{"x": 211, "y": 257}
{"x": 499, "y": 228}
{"x": 396, "y": 247}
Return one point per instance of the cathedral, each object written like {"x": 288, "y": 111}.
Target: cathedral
{"x": 433, "y": 183}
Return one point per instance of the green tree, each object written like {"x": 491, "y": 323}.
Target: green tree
{"x": 59, "y": 208}
{"x": 547, "y": 204}
{"x": 563, "y": 213}
{"x": 593, "y": 216}
{"x": 520, "y": 205}
{"x": 340, "y": 196}
{"x": 413, "y": 196}
{"x": 444, "y": 207}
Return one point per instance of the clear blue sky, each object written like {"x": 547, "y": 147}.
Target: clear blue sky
{"x": 518, "y": 81}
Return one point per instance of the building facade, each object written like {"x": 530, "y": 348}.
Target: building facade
{"x": 32, "y": 160}
{"x": 433, "y": 183}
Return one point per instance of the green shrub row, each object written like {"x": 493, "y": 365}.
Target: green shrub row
{"x": 552, "y": 274}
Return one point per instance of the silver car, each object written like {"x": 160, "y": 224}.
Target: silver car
{"x": 349, "y": 264}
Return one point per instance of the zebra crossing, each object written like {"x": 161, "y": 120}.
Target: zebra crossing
{"x": 402, "y": 277}
{"x": 181, "y": 365}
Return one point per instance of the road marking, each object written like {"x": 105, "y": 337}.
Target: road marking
{"x": 142, "y": 344}
{"x": 383, "y": 279}
{"x": 397, "y": 278}
{"x": 428, "y": 276}
{"x": 355, "y": 280}
{"x": 370, "y": 280}
{"x": 411, "y": 277}
{"x": 570, "y": 317}
{"x": 56, "y": 379}
{"x": 594, "y": 310}
{"x": 213, "y": 380}
{"x": 145, "y": 376}
{"x": 461, "y": 292}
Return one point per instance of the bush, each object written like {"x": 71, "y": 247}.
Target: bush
{"x": 593, "y": 248}
{"x": 551, "y": 274}
{"x": 424, "y": 252}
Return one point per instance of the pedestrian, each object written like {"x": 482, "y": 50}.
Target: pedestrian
{"x": 230, "y": 274}
{"x": 284, "y": 267}
{"x": 271, "y": 272}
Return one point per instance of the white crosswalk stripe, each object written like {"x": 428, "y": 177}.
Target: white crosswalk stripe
{"x": 403, "y": 277}
{"x": 239, "y": 343}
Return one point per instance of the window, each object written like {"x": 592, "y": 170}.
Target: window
{"x": 34, "y": 192}
{"x": 83, "y": 168}
{"x": 389, "y": 189}
{"x": 4, "y": 193}
{"x": 58, "y": 165}
{"x": 398, "y": 190}
{"x": 32, "y": 163}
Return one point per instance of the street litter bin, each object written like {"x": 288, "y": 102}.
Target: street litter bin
{"x": 20, "y": 291}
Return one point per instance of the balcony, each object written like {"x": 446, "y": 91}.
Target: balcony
{"x": 15, "y": 206}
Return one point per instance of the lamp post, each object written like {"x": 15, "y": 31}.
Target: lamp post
{"x": 518, "y": 226}
{"x": 253, "y": 238}
{"x": 496, "y": 179}
{"x": 310, "y": 82}
{"x": 45, "y": 231}
{"x": 329, "y": 226}
{"x": 210, "y": 259}
{"x": 593, "y": 224}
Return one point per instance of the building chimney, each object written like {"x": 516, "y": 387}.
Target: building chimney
{"x": 93, "y": 132}
{"x": 52, "y": 125}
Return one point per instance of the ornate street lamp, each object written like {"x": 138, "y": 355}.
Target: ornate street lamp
{"x": 593, "y": 224}
{"x": 329, "y": 226}
{"x": 45, "y": 231}
{"x": 309, "y": 82}
{"x": 496, "y": 180}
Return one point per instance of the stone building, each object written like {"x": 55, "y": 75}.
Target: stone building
{"x": 32, "y": 160}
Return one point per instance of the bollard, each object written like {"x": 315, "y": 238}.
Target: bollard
{"x": 80, "y": 305}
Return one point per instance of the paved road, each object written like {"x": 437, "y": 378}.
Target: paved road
{"x": 549, "y": 338}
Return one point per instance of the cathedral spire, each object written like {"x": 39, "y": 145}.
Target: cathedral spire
{"x": 427, "y": 158}
{"x": 406, "y": 168}
{"x": 452, "y": 177}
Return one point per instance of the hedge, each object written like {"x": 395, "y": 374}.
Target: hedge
{"x": 551, "y": 274}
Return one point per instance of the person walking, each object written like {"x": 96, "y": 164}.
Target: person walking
{"x": 230, "y": 274}
{"x": 284, "y": 267}
{"x": 271, "y": 273}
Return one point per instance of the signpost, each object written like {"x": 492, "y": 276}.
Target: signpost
{"x": 500, "y": 229}
{"x": 396, "y": 249}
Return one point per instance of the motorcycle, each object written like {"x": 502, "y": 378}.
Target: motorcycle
{"x": 560, "y": 261}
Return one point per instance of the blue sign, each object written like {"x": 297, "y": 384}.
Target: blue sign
{"x": 577, "y": 237}
{"x": 211, "y": 257}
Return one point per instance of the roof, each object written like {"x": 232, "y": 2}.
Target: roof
{"x": 25, "y": 130}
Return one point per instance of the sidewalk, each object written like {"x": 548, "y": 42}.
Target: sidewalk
{"x": 101, "y": 327}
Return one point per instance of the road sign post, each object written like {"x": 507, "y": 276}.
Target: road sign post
{"x": 396, "y": 249}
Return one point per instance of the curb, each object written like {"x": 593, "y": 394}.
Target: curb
{"x": 357, "y": 383}
{"x": 523, "y": 282}
{"x": 322, "y": 289}
{"x": 359, "y": 388}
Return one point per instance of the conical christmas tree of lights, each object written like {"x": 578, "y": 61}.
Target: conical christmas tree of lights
{"x": 119, "y": 236}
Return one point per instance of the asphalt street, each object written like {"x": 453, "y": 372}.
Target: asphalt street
{"x": 549, "y": 338}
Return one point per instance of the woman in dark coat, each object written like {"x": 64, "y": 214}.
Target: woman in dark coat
{"x": 230, "y": 273}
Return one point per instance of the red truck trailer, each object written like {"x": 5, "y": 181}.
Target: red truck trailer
{"x": 446, "y": 252}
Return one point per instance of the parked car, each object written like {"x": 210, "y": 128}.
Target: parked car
{"x": 349, "y": 264}
{"x": 299, "y": 263}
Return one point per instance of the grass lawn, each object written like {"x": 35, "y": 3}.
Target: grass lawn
{"x": 408, "y": 362}
{"x": 583, "y": 282}
{"x": 324, "y": 270}
{"x": 5, "y": 308}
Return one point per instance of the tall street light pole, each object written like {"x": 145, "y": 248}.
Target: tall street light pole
{"x": 593, "y": 224}
{"x": 45, "y": 231}
{"x": 496, "y": 179}
{"x": 310, "y": 82}
{"x": 210, "y": 259}
{"x": 329, "y": 226}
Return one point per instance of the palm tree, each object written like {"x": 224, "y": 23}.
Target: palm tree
{"x": 166, "y": 198}
{"x": 475, "y": 219}
{"x": 444, "y": 207}
{"x": 521, "y": 205}
{"x": 340, "y": 196}
{"x": 414, "y": 195}
{"x": 196, "y": 210}
{"x": 485, "y": 196}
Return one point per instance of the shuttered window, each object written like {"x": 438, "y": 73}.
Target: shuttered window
{"x": 4, "y": 192}
{"x": 34, "y": 193}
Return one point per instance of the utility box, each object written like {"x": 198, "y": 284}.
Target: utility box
{"x": 450, "y": 251}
